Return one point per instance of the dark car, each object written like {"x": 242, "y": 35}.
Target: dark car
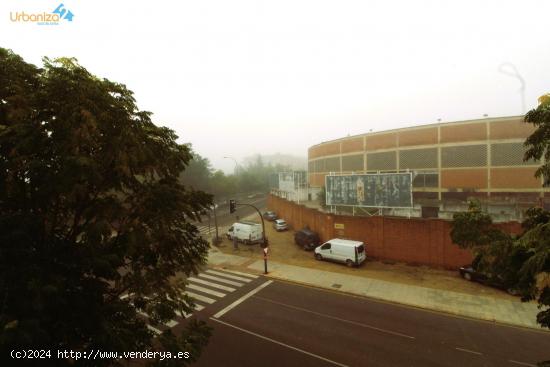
{"x": 271, "y": 216}
{"x": 469, "y": 273}
{"x": 307, "y": 239}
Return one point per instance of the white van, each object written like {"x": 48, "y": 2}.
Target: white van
{"x": 245, "y": 231}
{"x": 352, "y": 253}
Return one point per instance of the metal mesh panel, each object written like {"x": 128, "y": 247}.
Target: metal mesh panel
{"x": 418, "y": 158}
{"x": 381, "y": 161}
{"x": 464, "y": 156}
{"x": 332, "y": 164}
{"x": 352, "y": 162}
{"x": 508, "y": 154}
{"x": 429, "y": 179}
{"x": 320, "y": 165}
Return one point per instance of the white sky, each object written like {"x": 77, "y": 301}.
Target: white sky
{"x": 243, "y": 77}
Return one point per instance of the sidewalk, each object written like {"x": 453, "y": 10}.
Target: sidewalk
{"x": 515, "y": 313}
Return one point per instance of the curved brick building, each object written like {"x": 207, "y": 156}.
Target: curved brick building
{"x": 451, "y": 162}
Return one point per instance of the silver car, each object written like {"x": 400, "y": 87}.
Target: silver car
{"x": 280, "y": 225}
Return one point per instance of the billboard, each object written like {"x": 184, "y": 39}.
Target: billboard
{"x": 383, "y": 190}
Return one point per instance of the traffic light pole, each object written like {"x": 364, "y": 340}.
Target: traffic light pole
{"x": 232, "y": 208}
{"x": 262, "y": 218}
{"x": 216, "y": 223}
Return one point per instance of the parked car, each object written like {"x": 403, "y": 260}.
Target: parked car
{"x": 469, "y": 273}
{"x": 351, "y": 253}
{"x": 307, "y": 239}
{"x": 270, "y": 216}
{"x": 280, "y": 225}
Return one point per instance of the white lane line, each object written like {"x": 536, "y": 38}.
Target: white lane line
{"x": 198, "y": 307}
{"x": 240, "y": 300}
{"x": 229, "y": 276}
{"x": 240, "y": 273}
{"x": 198, "y": 297}
{"x": 218, "y": 279}
{"x": 338, "y": 319}
{"x": 210, "y": 284}
{"x": 280, "y": 343}
{"x": 205, "y": 290}
{"x": 153, "y": 329}
{"x": 469, "y": 351}
{"x": 522, "y": 363}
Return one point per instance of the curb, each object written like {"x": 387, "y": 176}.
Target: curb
{"x": 382, "y": 300}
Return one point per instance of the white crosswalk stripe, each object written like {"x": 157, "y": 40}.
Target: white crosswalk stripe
{"x": 241, "y": 273}
{"x": 204, "y": 289}
{"x": 221, "y": 280}
{"x": 210, "y": 284}
{"x": 242, "y": 279}
{"x": 154, "y": 329}
{"x": 201, "y": 298}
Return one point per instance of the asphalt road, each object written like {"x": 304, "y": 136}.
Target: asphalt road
{"x": 283, "y": 324}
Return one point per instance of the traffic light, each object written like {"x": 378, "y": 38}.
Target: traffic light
{"x": 232, "y": 206}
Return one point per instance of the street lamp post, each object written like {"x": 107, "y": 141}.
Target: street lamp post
{"x": 514, "y": 73}
{"x": 234, "y": 160}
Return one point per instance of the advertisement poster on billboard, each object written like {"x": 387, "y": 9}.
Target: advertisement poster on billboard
{"x": 383, "y": 190}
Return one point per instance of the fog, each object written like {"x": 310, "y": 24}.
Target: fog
{"x": 236, "y": 78}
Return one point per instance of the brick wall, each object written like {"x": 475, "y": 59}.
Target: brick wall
{"x": 416, "y": 241}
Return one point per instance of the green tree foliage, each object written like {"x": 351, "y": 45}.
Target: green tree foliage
{"x": 536, "y": 239}
{"x": 538, "y": 143}
{"x": 535, "y": 271}
{"x": 496, "y": 253}
{"x": 198, "y": 173}
{"x": 472, "y": 229}
{"x": 509, "y": 262}
{"x": 254, "y": 177}
{"x": 522, "y": 262}
{"x": 90, "y": 209}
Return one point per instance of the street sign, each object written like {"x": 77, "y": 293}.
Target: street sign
{"x": 266, "y": 249}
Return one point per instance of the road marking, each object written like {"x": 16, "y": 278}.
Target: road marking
{"x": 200, "y": 298}
{"x": 154, "y": 329}
{"x": 280, "y": 343}
{"x": 229, "y": 276}
{"x": 241, "y": 273}
{"x": 338, "y": 319}
{"x": 183, "y": 314}
{"x": 205, "y": 290}
{"x": 171, "y": 323}
{"x": 240, "y": 300}
{"x": 230, "y": 282}
{"x": 468, "y": 351}
{"x": 522, "y": 363}
{"x": 213, "y": 285}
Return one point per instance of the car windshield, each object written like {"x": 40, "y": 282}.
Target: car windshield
{"x": 360, "y": 249}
